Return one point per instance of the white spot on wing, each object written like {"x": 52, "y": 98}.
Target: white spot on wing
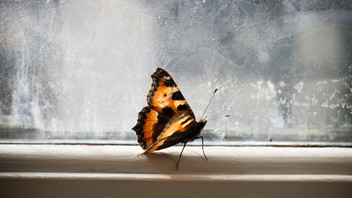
{"x": 179, "y": 102}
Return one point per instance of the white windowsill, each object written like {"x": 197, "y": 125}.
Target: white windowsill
{"x": 112, "y": 170}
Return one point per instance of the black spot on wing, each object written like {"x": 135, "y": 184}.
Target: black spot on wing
{"x": 169, "y": 83}
{"x": 182, "y": 107}
{"x": 159, "y": 126}
{"x": 167, "y": 110}
{"x": 177, "y": 96}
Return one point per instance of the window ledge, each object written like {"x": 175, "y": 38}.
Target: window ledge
{"x": 222, "y": 160}
{"x": 244, "y": 170}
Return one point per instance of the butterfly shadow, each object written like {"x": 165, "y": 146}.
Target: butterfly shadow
{"x": 161, "y": 160}
{"x": 160, "y": 156}
{"x": 167, "y": 161}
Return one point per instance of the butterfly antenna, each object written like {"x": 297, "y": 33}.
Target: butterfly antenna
{"x": 209, "y": 103}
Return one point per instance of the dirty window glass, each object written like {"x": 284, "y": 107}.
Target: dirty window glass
{"x": 80, "y": 71}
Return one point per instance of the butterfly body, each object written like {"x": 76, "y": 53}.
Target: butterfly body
{"x": 168, "y": 119}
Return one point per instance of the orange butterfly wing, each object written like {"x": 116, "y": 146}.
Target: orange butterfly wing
{"x": 168, "y": 119}
{"x": 179, "y": 129}
{"x": 165, "y": 97}
{"x": 149, "y": 126}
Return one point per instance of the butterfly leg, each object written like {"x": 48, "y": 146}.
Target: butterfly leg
{"x": 201, "y": 137}
{"x": 140, "y": 155}
{"x": 179, "y": 158}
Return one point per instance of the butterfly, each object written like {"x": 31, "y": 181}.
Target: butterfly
{"x": 168, "y": 119}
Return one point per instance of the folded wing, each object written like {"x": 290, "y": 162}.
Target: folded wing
{"x": 149, "y": 125}
{"x": 176, "y": 130}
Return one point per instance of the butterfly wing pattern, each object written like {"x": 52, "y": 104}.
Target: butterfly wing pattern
{"x": 168, "y": 119}
{"x": 165, "y": 97}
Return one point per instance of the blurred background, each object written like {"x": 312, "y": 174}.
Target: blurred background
{"x": 79, "y": 71}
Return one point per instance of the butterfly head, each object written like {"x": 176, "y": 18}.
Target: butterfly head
{"x": 202, "y": 123}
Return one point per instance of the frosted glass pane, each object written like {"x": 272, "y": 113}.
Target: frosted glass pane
{"x": 80, "y": 70}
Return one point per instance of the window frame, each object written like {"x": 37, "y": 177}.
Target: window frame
{"x": 117, "y": 170}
